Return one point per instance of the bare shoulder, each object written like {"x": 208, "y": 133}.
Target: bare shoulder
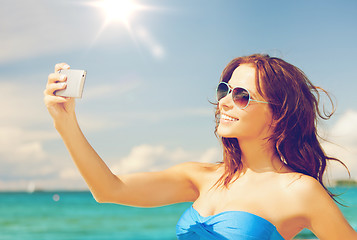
{"x": 305, "y": 195}
{"x": 306, "y": 190}
{"x": 300, "y": 183}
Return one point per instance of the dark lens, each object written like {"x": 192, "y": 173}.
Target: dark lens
{"x": 222, "y": 90}
{"x": 240, "y": 97}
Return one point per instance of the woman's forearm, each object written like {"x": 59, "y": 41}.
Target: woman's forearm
{"x": 101, "y": 181}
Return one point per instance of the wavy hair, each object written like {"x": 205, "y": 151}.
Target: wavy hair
{"x": 294, "y": 103}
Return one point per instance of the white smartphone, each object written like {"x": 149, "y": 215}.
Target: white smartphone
{"x": 75, "y": 83}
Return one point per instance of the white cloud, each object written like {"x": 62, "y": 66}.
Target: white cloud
{"x": 211, "y": 155}
{"x": 22, "y": 103}
{"x": 22, "y": 108}
{"x": 343, "y": 145}
{"x": 153, "y": 158}
{"x": 345, "y": 130}
{"x": 25, "y": 131}
{"x": 70, "y": 174}
{"x": 18, "y": 144}
{"x": 33, "y": 150}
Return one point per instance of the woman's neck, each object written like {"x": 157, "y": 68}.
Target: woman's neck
{"x": 259, "y": 156}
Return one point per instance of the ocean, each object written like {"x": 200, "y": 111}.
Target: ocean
{"x": 77, "y": 216}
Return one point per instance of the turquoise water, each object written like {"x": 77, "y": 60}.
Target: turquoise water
{"x": 76, "y": 215}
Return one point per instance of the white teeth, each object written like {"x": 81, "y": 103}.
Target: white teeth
{"x": 228, "y": 118}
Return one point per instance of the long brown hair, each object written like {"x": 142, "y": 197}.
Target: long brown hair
{"x": 294, "y": 102}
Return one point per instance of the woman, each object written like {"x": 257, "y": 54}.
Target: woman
{"x": 269, "y": 185}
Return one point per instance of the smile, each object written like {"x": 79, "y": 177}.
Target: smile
{"x": 228, "y": 118}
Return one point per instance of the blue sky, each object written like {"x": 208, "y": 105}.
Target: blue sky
{"x": 146, "y": 100}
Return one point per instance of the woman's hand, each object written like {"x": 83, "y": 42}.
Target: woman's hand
{"x": 59, "y": 107}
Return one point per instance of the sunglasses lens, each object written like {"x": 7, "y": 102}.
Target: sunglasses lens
{"x": 240, "y": 97}
{"x": 222, "y": 90}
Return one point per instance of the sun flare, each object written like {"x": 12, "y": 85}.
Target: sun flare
{"x": 118, "y": 10}
{"x": 122, "y": 12}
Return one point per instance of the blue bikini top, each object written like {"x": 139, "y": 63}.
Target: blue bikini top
{"x": 229, "y": 225}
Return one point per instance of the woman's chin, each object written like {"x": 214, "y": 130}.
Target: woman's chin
{"x": 226, "y": 133}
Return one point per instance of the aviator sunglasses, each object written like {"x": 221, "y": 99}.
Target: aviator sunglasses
{"x": 241, "y": 96}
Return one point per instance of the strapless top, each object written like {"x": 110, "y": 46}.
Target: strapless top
{"x": 229, "y": 225}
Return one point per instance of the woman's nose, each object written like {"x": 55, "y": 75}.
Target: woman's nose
{"x": 226, "y": 101}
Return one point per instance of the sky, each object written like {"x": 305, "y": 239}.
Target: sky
{"x": 150, "y": 80}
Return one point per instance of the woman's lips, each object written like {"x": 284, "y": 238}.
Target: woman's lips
{"x": 228, "y": 118}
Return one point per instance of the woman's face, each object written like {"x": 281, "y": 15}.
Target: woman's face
{"x": 254, "y": 121}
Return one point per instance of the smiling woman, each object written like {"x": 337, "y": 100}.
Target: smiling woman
{"x": 268, "y": 185}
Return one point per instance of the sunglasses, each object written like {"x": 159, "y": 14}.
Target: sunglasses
{"x": 241, "y": 96}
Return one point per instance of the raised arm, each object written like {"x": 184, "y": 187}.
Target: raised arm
{"x": 173, "y": 185}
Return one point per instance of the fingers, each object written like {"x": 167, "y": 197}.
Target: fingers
{"x": 56, "y": 82}
{"x": 53, "y": 87}
{"x": 56, "y": 77}
{"x": 60, "y": 66}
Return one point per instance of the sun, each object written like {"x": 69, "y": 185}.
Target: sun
{"x": 122, "y": 12}
{"x": 118, "y": 10}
